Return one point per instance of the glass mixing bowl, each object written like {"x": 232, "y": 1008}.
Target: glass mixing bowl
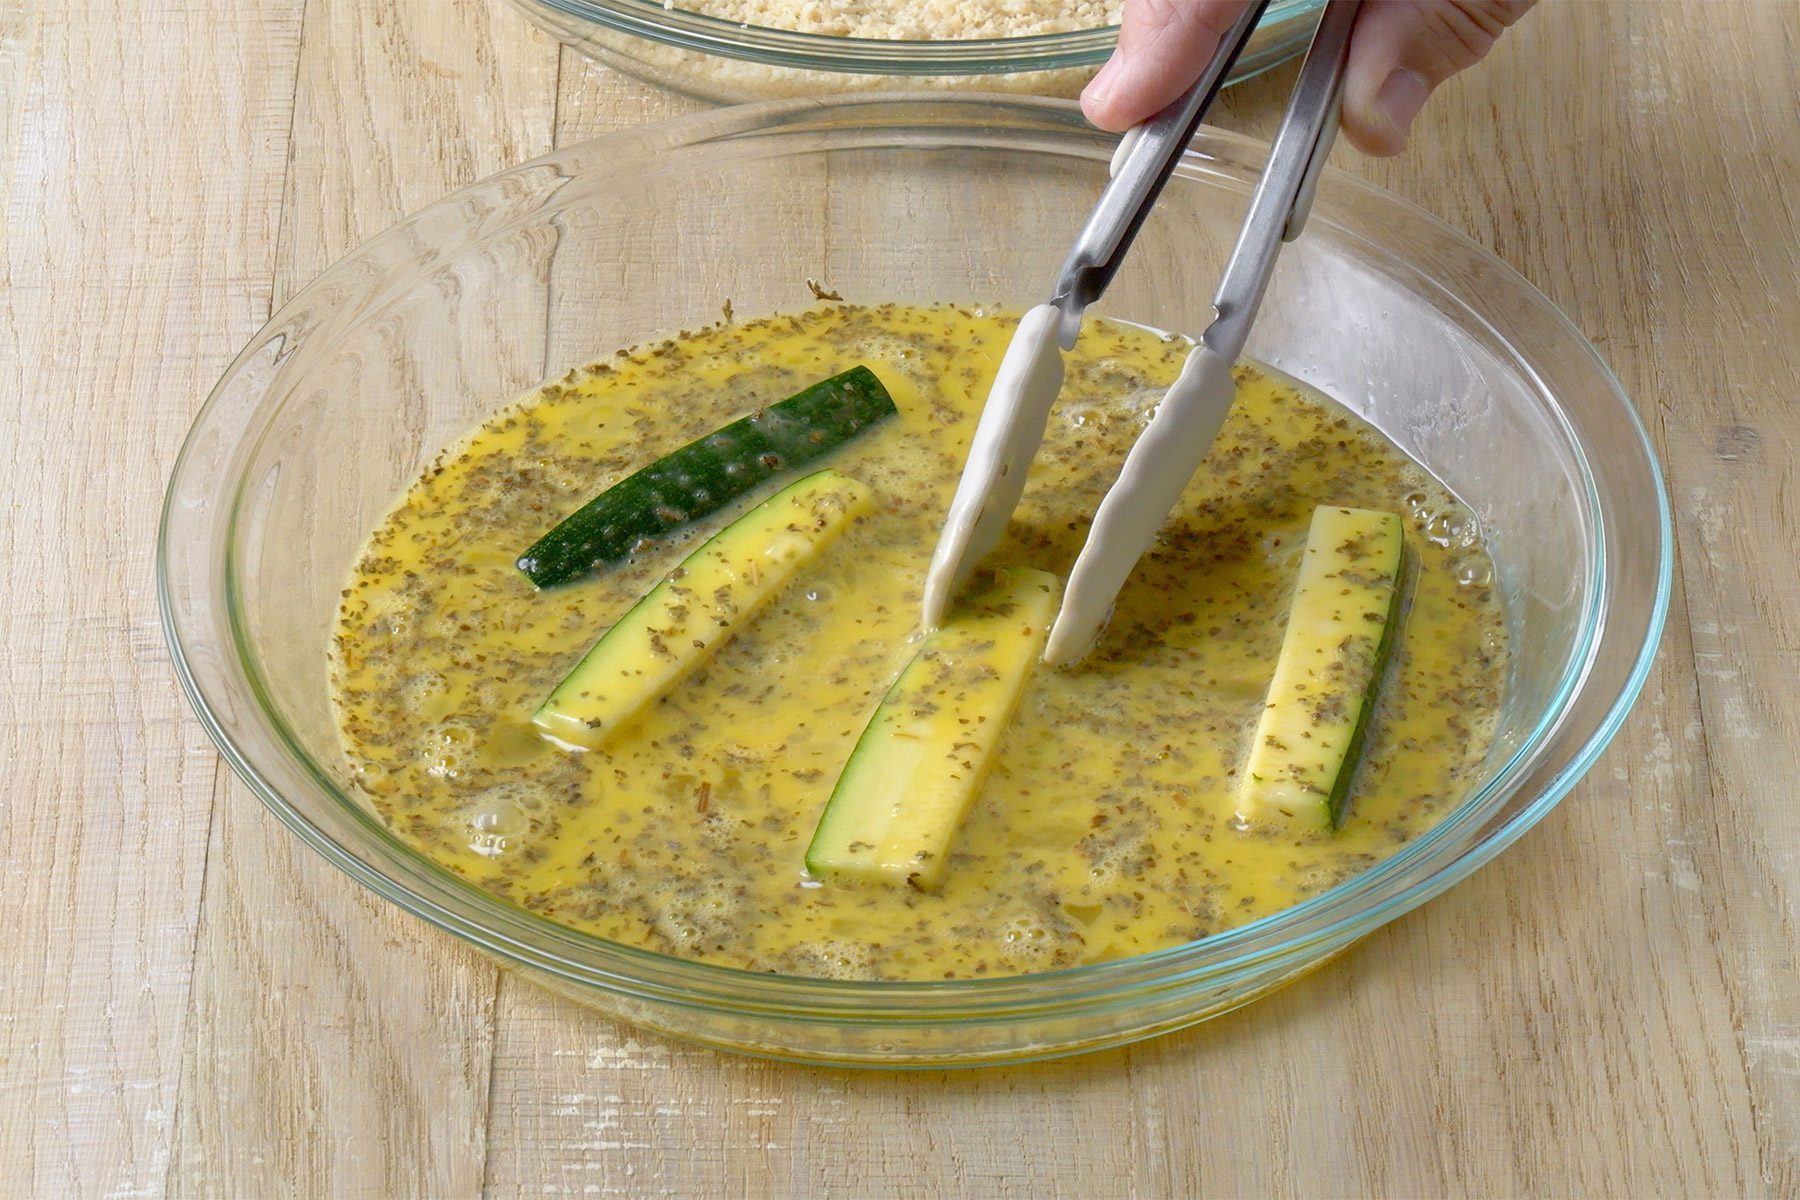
{"x": 358, "y": 381}
{"x": 719, "y": 60}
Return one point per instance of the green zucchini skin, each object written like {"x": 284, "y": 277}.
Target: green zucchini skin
{"x": 705, "y": 475}
{"x": 1336, "y": 803}
{"x": 1308, "y": 743}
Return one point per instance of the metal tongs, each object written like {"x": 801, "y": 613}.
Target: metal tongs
{"x": 1180, "y": 434}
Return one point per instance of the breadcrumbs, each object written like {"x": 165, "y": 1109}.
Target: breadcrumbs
{"x": 913, "y": 20}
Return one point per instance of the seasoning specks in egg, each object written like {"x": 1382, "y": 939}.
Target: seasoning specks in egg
{"x": 1106, "y": 826}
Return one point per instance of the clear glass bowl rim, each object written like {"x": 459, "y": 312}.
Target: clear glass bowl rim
{"x": 1282, "y": 941}
{"x": 649, "y": 19}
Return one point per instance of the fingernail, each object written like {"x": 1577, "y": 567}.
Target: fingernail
{"x": 1401, "y": 97}
{"x": 1100, "y": 87}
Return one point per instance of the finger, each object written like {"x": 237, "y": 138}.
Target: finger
{"x": 1163, "y": 47}
{"x": 1402, "y": 50}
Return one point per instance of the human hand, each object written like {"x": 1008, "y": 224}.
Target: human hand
{"x": 1400, "y": 51}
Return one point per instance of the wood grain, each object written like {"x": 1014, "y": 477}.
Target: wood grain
{"x": 337, "y": 1041}
{"x": 109, "y": 784}
{"x": 193, "y": 1003}
{"x": 1730, "y": 437}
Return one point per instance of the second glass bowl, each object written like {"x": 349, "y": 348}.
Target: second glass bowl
{"x": 718, "y": 60}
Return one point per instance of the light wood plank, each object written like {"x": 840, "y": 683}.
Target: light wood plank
{"x": 340, "y": 1047}
{"x": 592, "y": 100}
{"x": 20, "y": 25}
{"x": 1722, "y": 345}
{"x": 134, "y": 261}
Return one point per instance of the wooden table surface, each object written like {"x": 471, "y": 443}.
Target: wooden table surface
{"x": 194, "y": 1003}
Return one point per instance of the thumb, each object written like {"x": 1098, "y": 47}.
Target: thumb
{"x": 1402, "y": 50}
{"x": 1163, "y": 46}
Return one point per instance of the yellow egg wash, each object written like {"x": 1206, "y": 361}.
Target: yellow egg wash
{"x": 1106, "y": 825}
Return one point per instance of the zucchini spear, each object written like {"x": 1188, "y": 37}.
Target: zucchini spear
{"x": 713, "y": 593}
{"x": 923, "y": 756}
{"x": 1341, "y": 630}
{"x": 705, "y": 475}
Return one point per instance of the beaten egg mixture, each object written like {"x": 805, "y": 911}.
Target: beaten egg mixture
{"x": 1107, "y": 826}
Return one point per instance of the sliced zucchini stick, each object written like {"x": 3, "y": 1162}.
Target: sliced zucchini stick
{"x": 713, "y": 593}
{"x": 923, "y": 756}
{"x": 705, "y": 475}
{"x": 1340, "y": 631}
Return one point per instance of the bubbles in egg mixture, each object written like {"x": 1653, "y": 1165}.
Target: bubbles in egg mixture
{"x": 1037, "y": 938}
{"x": 373, "y": 777}
{"x": 1493, "y": 642}
{"x": 496, "y": 819}
{"x": 1473, "y": 570}
{"x": 1134, "y": 409}
{"x": 832, "y": 958}
{"x": 896, "y": 354}
{"x": 1080, "y": 415}
{"x": 1318, "y": 878}
{"x": 1145, "y": 403}
{"x": 449, "y": 749}
{"x": 1455, "y": 529}
{"x": 698, "y": 913}
{"x": 1451, "y": 528}
{"x": 1024, "y": 939}
{"x": 425, "y": 692}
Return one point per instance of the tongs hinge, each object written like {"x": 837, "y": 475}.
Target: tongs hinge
{"x": 1284, "y": 195}
{"x": 1147, "y": 156}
